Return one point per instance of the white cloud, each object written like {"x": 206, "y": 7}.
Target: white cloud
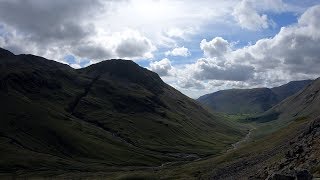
{"x": 101, "y": 26}
{"x": 252, "y": 14}
{"x": 295, "y": 49}
{"x": 179, "y": 32}
{"x": 93, "y": 51}
{"x": 207, "y": 68}
{"x": 248, "y": 17}
{"x": 179, "y": 51}
{"x": 127, "y": 44}
{"x": 138, "y": 29}
{"x": 134, "y": 45}
{"x": 292, "y": 54}
{"x": 175, "y": 32}
{"x": 217, "y": 47}
{"x": 191, "y": 84}
{"x": 163, "y": 67}
{"x": 75, "y": 66}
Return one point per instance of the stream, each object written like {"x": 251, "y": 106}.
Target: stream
{"x": 245, "y": 139}
{"x": 234, "y": 146}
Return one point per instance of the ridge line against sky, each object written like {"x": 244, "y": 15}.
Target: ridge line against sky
{"x": 197, "y": 47}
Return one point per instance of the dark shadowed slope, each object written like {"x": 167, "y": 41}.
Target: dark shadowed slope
{"x": 106, "y": 116}
{"x": 250, "y": 101}
{"x": 292, "y": 149}
{"x": 287, "y": 147}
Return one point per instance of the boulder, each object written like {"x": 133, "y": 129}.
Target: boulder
{"x": 277, "y": 176}
{"x": 303, "y": 175}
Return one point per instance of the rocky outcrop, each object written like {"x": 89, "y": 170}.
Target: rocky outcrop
{"x": 301, "y": 157}
{"x": 293, "y": 175}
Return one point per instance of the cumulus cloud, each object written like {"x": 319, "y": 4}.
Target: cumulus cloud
{"x": 179, "y": 51}
{"x": 191, "y": 84}
{"x": 179, "y": 32}
{"x": 68, "y": 26}
{"x": 295, "y": 49}
{"x": 248, "y": 18}
{"x": 292, "y": 54}
{"x": 55, "y": 28}
{"x": 49, "y": 21}
{"x": 252, "y": 14}
{"x": 92, "y": 31}
{"x": 163, "y": 67}
{"x": 132, "y": 44}
{"x": 217, "y": 47}
{"x": 93, "y": 51}
{"x": 207, "y": 68}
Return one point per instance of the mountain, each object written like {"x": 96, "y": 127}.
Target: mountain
{"x": 110, "y": 115}
{"x": 250, "y": 101}
{"x": 290, "y": 146}
{"x": 284, "y": 144}
{"x": 304, "y": 104}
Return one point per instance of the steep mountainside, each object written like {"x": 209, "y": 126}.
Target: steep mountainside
{"x": 291, "y": 151}
{"x": 106, "y": 116}
{"x": 290, "y": 88}
{"x": 288, "y": 149}
{"x": 250, "y": 101}
{"x": 304, "y": 104}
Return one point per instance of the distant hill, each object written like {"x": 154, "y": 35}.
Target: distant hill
{"x": 109, "y": 115}
{"x": 250, "y": 101}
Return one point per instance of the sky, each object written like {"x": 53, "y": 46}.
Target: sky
{"x": 198, "y": 47}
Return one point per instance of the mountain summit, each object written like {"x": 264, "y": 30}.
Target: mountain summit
{"x": 113, "y": 113}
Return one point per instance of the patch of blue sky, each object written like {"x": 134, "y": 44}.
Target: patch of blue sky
{"x": 193, "y": 47}
{"x": 233, "y": 33}
{"x": 303, "y": 4}
{"x": 70, "y": 59}
{"x": 283, "y": 19}
{"x": 84, "y": 62}
{"x": 143, "y": 62}
{"x": 229, "y": 31}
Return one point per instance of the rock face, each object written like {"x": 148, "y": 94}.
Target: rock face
{"x": 296, "y": 175}
{"x": 281, "y": 177}
{"x": 304, "y": 175}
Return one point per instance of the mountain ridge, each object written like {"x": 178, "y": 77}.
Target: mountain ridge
{"x": 114, "y": 113}
{"x": 250, "y": 101}
{"x": 285, "y": 145}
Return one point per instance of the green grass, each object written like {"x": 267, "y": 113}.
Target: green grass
{"x": 194, "y": 169}
{"x": 55, "y": 118}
